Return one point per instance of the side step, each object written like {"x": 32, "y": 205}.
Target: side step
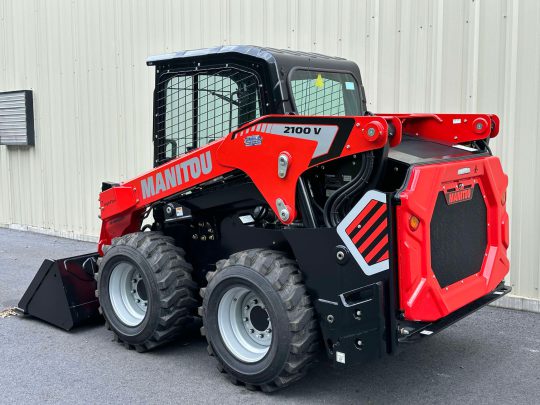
{"x": 62, "y": 292}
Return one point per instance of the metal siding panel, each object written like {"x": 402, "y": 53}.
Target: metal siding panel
{"x": 491, "y": 55}
{"x": 93, "y": 92}
{"x": 389, "y": 55}
{"x": 5, "y": 185}
{"x": 525, "y": 214}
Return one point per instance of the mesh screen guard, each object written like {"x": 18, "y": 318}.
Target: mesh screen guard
{"x": 197, "y": 107}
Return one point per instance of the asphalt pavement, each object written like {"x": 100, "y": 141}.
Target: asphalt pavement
{"x": 491, "y": 357}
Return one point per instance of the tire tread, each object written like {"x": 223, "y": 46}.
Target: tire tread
{"x": 177, "y": 290}
{"x": 286, "y": 279}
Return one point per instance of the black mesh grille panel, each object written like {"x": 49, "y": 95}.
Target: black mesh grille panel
{"x": 458, "y": 238}
{"x": 198, "y": 107}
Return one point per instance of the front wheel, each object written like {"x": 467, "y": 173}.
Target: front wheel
{"x": 258, "y": 319}
{"x": 145, "y": 290}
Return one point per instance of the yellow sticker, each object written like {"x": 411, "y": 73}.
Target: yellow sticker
{"x": 319, "y": 82}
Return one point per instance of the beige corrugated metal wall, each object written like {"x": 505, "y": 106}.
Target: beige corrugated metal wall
{"x": 85, "y": 62}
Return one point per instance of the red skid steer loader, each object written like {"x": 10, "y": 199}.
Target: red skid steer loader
{"x": 286, "y": 219}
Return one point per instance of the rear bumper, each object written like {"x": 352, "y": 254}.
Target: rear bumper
{"x": 414, "y": 332}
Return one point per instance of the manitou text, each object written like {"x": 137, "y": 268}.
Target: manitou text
{"x": 173, "y": 176}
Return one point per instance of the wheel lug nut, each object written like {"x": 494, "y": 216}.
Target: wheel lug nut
{"x": 247, "y": 307}
{"x": 252, "y": 331}
{"x": 138, "y": 300}
{"x": 133, "y": 291}
{"x": 255, "y": 302}
{"x": 261, "y": 335}
{"x": 245, "y": 319}
{"x": 146, "y": 304}
{"x": 268, "y": 330}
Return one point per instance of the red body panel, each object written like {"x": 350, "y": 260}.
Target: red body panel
{"x": 122, "y": 207}
{"x": 421, "y": 297}
{"x": 260, "y": 163}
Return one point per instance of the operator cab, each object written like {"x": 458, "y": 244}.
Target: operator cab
{"x": 203, "y": 95}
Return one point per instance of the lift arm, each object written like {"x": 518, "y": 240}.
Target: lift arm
{"x": 273, "y": 151}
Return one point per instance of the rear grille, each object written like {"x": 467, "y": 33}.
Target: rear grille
{"x": 458, "y": 238}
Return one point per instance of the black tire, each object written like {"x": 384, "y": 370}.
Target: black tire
{"x": 295, "y": 340}
{"x": 171, "y": 292}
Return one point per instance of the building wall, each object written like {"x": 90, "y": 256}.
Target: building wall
{"x": 85, "y": 62}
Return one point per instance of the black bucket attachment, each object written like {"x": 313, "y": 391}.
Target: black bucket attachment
{"x": 62, "y": 292}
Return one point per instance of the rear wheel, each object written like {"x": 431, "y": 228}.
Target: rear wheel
{"x": 145, "y": 290}
{"x": 258, "y": 319}
{"x": 244, "y": 324}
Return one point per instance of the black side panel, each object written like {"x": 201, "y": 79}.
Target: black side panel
{"x": 62, "y": 292}
{"x": 229, "y": 196}
{"x": 353, "y": 307}
{"x": 229, "y": 236}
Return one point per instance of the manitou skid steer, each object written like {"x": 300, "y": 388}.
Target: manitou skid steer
{"x": 286, "y": 219}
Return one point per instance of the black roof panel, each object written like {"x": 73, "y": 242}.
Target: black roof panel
{"x": 267, "y": 54}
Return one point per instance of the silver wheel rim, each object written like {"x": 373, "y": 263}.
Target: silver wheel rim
{"x": 128, "y": 293}
{"x": 244, "y": 324}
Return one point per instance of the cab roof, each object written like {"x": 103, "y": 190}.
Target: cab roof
{"x": 281, "y": 58}
{"x": 275, "y": 65}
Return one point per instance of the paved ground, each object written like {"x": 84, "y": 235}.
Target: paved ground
{"x": 491, "y": 357}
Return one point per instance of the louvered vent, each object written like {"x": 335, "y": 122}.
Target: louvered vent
{"x": 16, "y": 118}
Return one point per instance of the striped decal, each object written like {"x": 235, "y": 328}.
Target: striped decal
{"x": 370, "y": 235}
{"x": 365, "y": 232}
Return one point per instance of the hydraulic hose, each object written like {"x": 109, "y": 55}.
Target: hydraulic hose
{"x": 333, "y": 212}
